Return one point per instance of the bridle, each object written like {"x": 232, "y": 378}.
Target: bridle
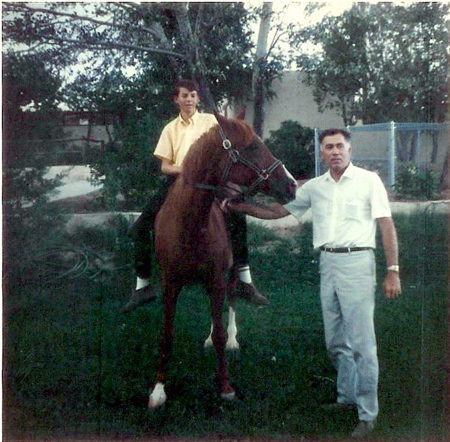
{"x": 234, "y": 158}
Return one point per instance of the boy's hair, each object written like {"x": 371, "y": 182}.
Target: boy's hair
{"x": 330, "y": 132}
{"x": 190, "y": 85}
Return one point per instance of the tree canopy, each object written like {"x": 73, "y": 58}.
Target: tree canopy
{"x": 158, "y": 42}
{"x": 27, "y": 84}
{"x": 379, "y": 62}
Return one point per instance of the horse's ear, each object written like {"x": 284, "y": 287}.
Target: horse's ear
{"x": 220, "y": 118}
{"x": 241, "y": 113}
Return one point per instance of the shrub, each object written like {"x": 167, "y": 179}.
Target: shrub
{"x": 29, "y": 223}
{"x": 411, "y": 183}
{"x": 128, "y": 166}
{"x": 294, "y": 145}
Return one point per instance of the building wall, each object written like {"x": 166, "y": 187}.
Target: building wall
{"x": 294, "y": 101}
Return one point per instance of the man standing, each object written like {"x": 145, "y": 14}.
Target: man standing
{"x": 175, "y": 141}
{"x": 347, "y": 202}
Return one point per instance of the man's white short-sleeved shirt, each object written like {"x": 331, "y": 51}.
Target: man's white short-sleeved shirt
{"x": 344, "y": 212}
{"x": 178, "y": 136}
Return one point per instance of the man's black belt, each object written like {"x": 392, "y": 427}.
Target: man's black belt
{"x": 343, "y": 249}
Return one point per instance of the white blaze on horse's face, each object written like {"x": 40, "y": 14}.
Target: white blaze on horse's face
{"x": 291, "y": 186}
{"x": 289, "y": 175}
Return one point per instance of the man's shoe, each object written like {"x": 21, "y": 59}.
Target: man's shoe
{"x": 139, "y": 298}
{"x": 363, "y": 429}
{"x": 250, "y": 293}
{"x": 335, "y": 406}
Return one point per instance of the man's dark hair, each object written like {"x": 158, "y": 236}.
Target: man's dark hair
{"x": 331, "y": 132}
{"x": 190, "y": 85}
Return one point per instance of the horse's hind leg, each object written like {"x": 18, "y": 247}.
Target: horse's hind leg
{"x": 170, "y": 296}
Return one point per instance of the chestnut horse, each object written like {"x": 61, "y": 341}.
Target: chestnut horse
{"x": 191, "y": 239}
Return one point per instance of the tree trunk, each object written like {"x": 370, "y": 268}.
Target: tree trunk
{"x": 194, "y": 58}
{"x": 434, "y": 152}
{"x": 259, "y": 67}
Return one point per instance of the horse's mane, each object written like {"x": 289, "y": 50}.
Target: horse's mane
{"x": 203, "y": 158}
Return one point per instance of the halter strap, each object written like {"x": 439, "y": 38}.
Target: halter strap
{"x": 235, "y": 157}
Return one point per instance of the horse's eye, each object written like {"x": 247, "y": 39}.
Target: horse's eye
{"x": 252, "y": 147}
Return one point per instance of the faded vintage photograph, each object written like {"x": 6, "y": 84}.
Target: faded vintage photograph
{"x": 225, "y": 221}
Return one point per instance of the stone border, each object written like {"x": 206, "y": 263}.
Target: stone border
{"x": 288, "y": 223}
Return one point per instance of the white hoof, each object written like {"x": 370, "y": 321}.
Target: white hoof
{"x": 158, "y": 397}
{"x": 208, "y": 343}
{"x": 232, "y": 344}
{"x": 228, "y": 396}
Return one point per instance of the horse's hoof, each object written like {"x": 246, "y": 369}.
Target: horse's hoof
{"x": 232, "y": 345}
{"x": 228, "y": 393}
{"x": 208, "y": 343}
{"x": 158, "y": 397}
{"x": 228, "y": 396}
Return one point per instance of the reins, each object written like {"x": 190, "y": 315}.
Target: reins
{"x": 235, "y": 157}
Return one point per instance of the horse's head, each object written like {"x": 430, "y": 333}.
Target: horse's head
{"x": 248, "y": 162}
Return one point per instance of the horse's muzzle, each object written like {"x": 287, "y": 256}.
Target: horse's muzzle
{"x": 290, "y": 192}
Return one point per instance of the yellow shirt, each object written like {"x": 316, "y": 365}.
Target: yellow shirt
{"x": 178, "y": 136}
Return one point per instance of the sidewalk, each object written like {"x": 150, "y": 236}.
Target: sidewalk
{"x": 75, "y": 182}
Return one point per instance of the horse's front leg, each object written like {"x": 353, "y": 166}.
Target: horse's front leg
{"x": 170, "y": 296}
{"x": 218, "y": 337}
{"x": 209, "y": 342}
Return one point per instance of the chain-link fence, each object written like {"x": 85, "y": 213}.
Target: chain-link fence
{"x": 388, "y": 148}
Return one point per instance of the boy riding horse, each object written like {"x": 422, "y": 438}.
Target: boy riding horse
{"x": 175, "y": 141}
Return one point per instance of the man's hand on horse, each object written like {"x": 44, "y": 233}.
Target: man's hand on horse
{"x": 230, "y": 191}
{"x": 224, "y": 205}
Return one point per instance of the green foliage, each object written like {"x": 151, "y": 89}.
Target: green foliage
{"x": 31, "y": 92}
{"x": 412, "y": 183}
{"x": 29, "y": 222}
{"x": 294, "y": 145}
{"x": 224, "y": 40}
{"x": 28, "y": 83}
{"x": 27, "y": 79}
{"x": 210, "y": 42}
{"x": 128, "y": 167}
{"x": 380, "y": 62}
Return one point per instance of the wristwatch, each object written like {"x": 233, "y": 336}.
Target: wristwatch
{"x": 394, "y": 268}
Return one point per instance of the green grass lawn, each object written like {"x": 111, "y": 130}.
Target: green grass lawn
{"x": 76, "y": 367}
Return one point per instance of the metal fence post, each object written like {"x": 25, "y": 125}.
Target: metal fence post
{"x": 316, "y": 151}
{"x": 392, "y": 155}
{"x": 418, "y": 153}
